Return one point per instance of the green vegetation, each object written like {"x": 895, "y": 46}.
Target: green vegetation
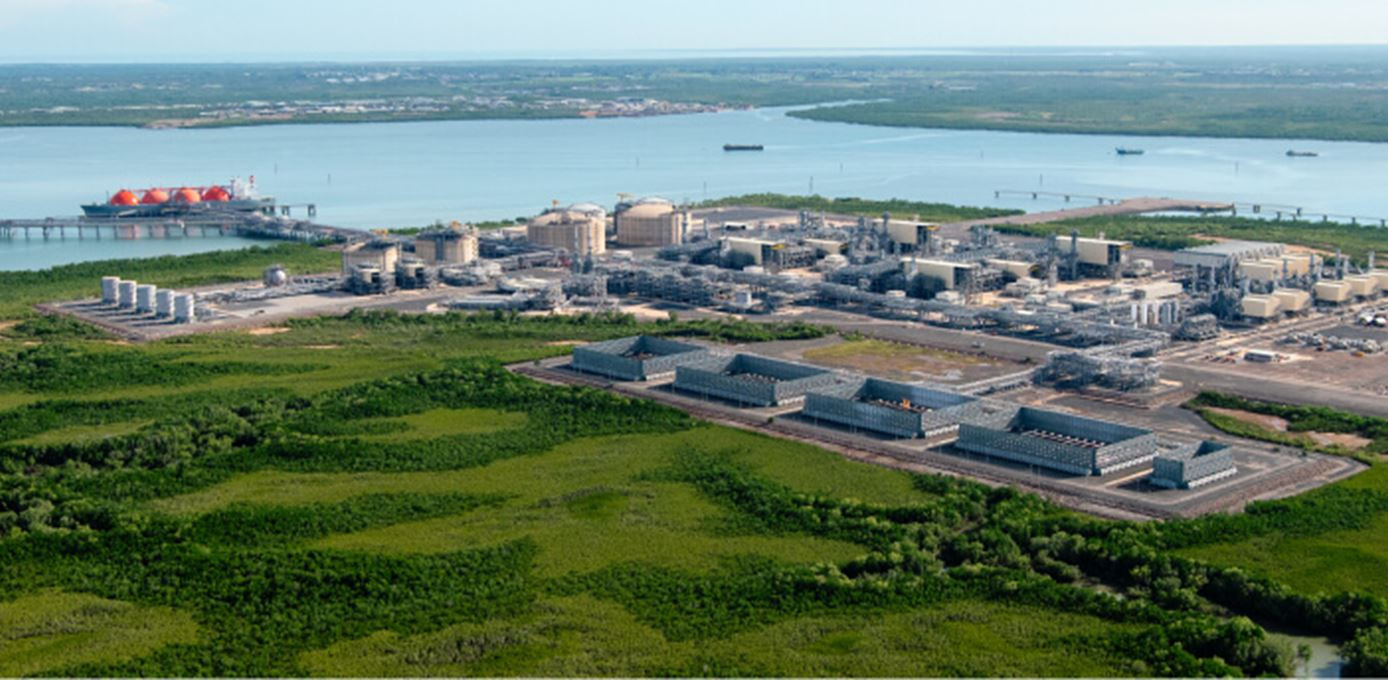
{"x": 1172, "y": 93}
{"x": 1292, "y": 93}
{"x": 583, "y": 636}
{"x": 484, "y": 226}
{"x": 1173, "y": 233}
{"x": 23, "y": 289}
{"x": 49, "y": 630}
{"x": 1299, "y": 420}
{"x": 899, "y": 208}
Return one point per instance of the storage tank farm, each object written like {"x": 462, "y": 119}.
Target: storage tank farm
{"x": 145, "y": 299}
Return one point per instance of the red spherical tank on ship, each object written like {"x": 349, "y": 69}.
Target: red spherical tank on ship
{"x": 216, "y": 193}
{"x": 155, "y": 197}
{"x": 186, "y": 195}
{"x": 125, "y": 197}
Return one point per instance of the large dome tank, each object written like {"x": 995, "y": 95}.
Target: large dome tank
{"x": 125, "y": 197}
{"x": 216, "y": 193}
{"x": 186, "y": 195}
{"x": 155, "y": 197}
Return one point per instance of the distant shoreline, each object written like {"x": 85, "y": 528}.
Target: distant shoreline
{"x": 818, "y": 113}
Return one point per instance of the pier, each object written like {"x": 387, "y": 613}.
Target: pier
{"x": 1105, "y": 206}
{"x": 251, "y": 225}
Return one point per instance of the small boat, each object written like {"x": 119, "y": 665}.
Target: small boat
{"x": 742, "y": 147}
{"x": 1293, "y": 153}
{"x": 1125, "y": 151}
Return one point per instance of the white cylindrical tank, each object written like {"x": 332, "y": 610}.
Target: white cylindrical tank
{"x": 125, "y": 295}
{"x": 183, "y": 308}
{"x": 110, "y": 290}
{"x": 144, "y": 298}
{"x": 163, "y": 303}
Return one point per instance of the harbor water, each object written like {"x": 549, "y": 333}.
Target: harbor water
{"x": 408, "y": 174}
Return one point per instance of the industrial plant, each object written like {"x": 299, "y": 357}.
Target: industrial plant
{"x": 1069, "y": 314}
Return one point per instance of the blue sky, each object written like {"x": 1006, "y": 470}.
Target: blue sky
{"x": 221, "y": 30}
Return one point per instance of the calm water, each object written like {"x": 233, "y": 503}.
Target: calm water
{"x": 379, "y": 175}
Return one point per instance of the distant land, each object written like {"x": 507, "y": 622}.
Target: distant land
{"x": 1292, "y": 93}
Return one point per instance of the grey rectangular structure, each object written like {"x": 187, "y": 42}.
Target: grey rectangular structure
{"x": 892, "y": 408}
{"x": 1192, "y": 465}
{"x": 752, "y": 380}
{"x": 639, "y": 357}
{"x": 1059, "y": 441}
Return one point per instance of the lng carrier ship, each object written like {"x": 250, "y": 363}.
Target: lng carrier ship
{"x": 235, "y": 196}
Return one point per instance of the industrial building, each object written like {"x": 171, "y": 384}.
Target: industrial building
{"x": 890, "y": 408}
{"x": 914, "y": 236}
{"x": 752, "y": 252}
{"x": 650, "y": 222}
{"x": 1192, "y": 465}
{"x": 1216, "y": 264}
{"x": 751, "y": 380}
{"x": 446, "y": 246}
{"x": 947, "y": 275}
{"x": 1058, "y": 441}
{"x": 640, "y": 357}
{"x": 578, "y": 229}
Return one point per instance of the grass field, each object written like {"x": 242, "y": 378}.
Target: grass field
{"x": 895, "y": 360}
{"x": 581, "y": 636}
{"x": 1172, "y": 233}
{"x": 1322, "y": 562}
{"x": 50, "y": 630}
{"x": 871, "y": 208}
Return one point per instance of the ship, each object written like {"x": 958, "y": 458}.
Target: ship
{"x": 1126, "y": 151}
{"x": 742, "y": 147}
{"x": 234, "y": 196}
{"x": 1293, "y": 153}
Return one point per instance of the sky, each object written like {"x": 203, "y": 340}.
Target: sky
{"x": 258, "y": 30}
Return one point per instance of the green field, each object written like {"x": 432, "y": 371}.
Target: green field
{"x": 375, "y": 494}
{"x": 870, "y": 208}
{"x": 1173, "y": 233}
{"x": 49, "y": 630}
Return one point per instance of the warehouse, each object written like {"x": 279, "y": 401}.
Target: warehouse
{"x": 751, "y": 380}
{"x": 890, "y": 408}
{"x": 1059, "y": 441}
{"x": 640, "y": 357}
{"x": 1192, "y": 465}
